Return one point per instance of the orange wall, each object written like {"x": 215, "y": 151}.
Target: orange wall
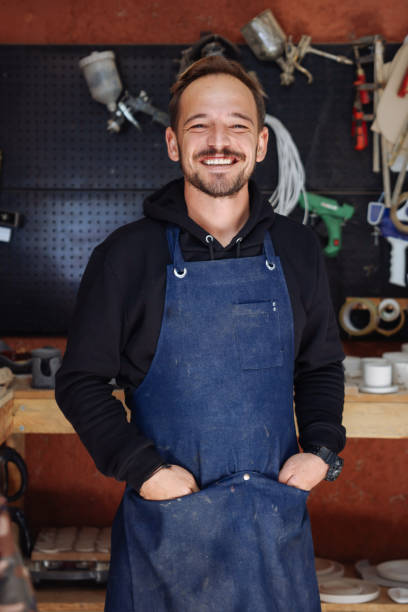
{"x": 364, "y": 513}
{"x": 179, "y": 22}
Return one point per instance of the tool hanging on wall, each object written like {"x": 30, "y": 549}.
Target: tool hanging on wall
{"x": 360, "y": 316}
{"x": 269, "y": 42}
{"x": 333, "y": 216}
{"x": 391, "y": 121}
{"x": 291, "y": 182}
{"x": 105, "y": 86}
{"x": 389, "y": 215}
{"x": 8, "y": 219}
{"x": 360, "y": 116}
{"x": 387, "y": 222}
{"x": 209, "y": 44}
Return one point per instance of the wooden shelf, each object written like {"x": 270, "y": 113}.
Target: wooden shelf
{"x": 365, "y": 415}
{"x": 63, "y": 597}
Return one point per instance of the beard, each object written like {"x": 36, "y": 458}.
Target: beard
{"x": 217, "y": 185}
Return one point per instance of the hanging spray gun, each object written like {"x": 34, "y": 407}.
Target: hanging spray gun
{"x": 105, "y": 86}
{"x": 268, "y": 41}
{"x": 333, "y": 216}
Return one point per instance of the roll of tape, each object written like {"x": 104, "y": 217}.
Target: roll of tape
{"x": 389, "y": 310}
{"x": 358, "y": 304}
{"x": 394, "y": 330}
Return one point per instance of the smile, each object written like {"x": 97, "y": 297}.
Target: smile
{"x": 219, "y": 161}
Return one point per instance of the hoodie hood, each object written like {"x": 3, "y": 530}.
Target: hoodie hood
{"x": 168, "y": 206}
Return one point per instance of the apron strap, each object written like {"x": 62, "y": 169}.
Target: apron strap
{"x": 173, "y": 233}
{"x": 269, "y": 250}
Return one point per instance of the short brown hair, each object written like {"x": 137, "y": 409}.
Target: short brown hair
{"x": 216, "y": 64}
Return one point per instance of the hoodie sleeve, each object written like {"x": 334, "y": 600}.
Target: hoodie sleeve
{"x": 83, "y": 392}
{"x": 319, "y": 373}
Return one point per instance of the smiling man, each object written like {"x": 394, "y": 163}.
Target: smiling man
{"x": 210, "y": 312}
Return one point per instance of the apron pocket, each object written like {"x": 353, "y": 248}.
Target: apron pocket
{"x": 257, "y": 334}
{"x": 242, "y": 543}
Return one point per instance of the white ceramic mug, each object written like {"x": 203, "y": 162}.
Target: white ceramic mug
{"x": 377, "y": 372}
{"x": 352, "y": 366}
{"x": 400, "y": 373}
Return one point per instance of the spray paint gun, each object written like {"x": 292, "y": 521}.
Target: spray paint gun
{"x": 105, "y": 86}
{"x": 332, "y": 214}
{"x": 268, "y": 41}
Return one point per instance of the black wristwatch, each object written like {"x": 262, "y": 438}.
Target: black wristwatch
{"x": 334, "y": 462}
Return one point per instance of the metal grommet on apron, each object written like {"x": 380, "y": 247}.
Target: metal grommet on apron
{"x": 218, "y": 400}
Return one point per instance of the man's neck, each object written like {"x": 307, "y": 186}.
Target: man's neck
{"x": 220, "y": 217}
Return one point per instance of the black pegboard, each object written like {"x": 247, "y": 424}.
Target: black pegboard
{"x": 53, "y": 134}
{"x": 75, "y": 183}
{"x": 42, "y": 266}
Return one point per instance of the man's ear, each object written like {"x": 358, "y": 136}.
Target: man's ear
{"x": 172, "y": 146}
{"x": 262, "y": 144}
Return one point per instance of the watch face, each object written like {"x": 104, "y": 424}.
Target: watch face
{"x": 335, "y": 469}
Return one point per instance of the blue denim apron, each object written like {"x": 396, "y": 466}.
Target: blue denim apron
{"x": 218, "y": 400}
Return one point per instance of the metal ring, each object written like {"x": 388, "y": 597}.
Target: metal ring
{"x": 271, "y": 266}
{"x": 180, "y": 274}
{"x": 209, "y": 239}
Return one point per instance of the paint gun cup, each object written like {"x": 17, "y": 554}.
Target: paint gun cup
{"x": 265, "y": 36}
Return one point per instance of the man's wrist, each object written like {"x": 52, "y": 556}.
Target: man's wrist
{"x": 334, "y": 462}
{"x": 153, "y": 472}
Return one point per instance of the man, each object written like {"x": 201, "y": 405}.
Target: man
{"x": 209, "y": 311}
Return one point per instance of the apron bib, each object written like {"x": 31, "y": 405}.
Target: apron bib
{"x": 218, "y": 400}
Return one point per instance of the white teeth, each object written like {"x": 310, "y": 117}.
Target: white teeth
{"x": 218, "y": 161}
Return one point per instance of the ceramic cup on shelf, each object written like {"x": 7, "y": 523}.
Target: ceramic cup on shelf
{"x": 377, "y": 372}
{"x": 400, "y": 373}
{"x": 397, "y": 357}
{"x": 352, "y": 366}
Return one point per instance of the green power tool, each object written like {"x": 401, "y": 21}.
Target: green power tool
{"x": 332, "y": 214}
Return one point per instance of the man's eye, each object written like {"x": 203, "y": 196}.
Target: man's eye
{"x": 239, "y": 126}
{"x": 197, "y": 126}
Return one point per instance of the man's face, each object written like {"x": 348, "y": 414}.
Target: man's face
{"x": 217, "y": 140}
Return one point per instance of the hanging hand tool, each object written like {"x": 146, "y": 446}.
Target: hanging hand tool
{"x": 105, "y": 86}
{"x": 127, "y": 106}
{"x": 399, "y": 243}
{"x": 361, "y": 78}
{"x": 332, "y": 214}
{"x": 305, "y": 47}
{"x": 268, "y": 41}
{"x": 359, "y": 126}
{"x": 8, "y": 219}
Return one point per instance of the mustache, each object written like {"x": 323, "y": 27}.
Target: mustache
{"x": 213, "y": 152}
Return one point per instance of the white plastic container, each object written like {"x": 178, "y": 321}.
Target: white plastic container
{"x": 102, "y": 76}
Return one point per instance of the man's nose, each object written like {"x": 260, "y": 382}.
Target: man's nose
{"x": 218, "y": 136}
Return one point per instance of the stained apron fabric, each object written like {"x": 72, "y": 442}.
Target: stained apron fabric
{"x": 218, "y": 400}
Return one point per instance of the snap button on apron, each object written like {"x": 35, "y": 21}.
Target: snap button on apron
{"x": 246, "y": 477}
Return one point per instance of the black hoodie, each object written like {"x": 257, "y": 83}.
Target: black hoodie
{"x": 118, "y": 315}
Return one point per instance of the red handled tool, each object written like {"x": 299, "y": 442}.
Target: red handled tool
{"x": 359, "y": 126}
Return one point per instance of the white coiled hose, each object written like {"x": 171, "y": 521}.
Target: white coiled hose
{"x": 291, "y": 172}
